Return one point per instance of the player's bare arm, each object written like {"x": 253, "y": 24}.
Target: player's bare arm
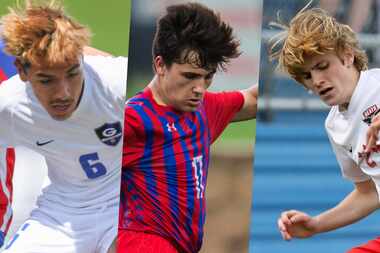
{"x": 249, "y": 108}
{"x": 362, "y": 201}
{"x": 373, "y": 134}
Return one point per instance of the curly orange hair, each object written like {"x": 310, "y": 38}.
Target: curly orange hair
{"x": 313, "y": 32}
{"x": 41, "y": 33}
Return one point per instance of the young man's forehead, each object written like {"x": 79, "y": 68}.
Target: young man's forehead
{"x": 64, "y": 67}
{"x": 189, "y": 67}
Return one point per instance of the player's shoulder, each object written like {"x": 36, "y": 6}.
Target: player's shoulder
{"x": 371, "y": 76}
{"x": 12, "y": 91}
{"x": 108, "y": 71}
{"x": 134, "y": 106}
{"x": 101, "y": 62}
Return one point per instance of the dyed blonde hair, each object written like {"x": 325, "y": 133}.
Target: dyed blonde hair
{"x": 40, "y": 33}
{"x": 314, "y": 32}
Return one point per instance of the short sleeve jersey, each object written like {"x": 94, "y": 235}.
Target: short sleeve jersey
{"x": 347, "y": 130}
{"x": 83, "y": 152}
{"x": 165, "y": 164}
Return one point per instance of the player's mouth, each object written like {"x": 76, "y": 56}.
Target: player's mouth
{"x": 325, "y": 92}
{"x": 61, "y": 107}
{"x": 195, "y": 101}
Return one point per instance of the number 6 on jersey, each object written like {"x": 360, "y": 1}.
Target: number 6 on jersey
{"x": 91, "y": 166}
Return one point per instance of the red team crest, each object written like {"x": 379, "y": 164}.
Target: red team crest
{"x": 369, "y": 113}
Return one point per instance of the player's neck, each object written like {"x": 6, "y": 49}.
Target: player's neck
{"x": 157, "y": 93}
{"x": 352, "y": 82}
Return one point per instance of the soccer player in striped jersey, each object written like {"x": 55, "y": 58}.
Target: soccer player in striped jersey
{"x": 7, "y": 156}
{"x": 169, "y": 128}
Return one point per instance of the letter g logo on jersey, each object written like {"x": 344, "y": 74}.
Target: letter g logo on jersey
{"x": 109, "y": 133}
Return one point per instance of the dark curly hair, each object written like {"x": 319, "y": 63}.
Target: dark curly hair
{"x": 192, "y": 33}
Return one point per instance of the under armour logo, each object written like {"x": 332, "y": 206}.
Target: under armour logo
{"x": 171, "y": 127}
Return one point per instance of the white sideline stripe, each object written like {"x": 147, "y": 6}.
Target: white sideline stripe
{"x": 291, "y": 104}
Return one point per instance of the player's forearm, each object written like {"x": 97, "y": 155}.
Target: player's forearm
{"x": 249, "y": 109}
{"x": 354, "y": 207}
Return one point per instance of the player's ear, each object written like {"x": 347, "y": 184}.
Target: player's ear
{"x": 159, "y": 65}
{"x": 348, "y": 57}
{"x": 21, "y": 70}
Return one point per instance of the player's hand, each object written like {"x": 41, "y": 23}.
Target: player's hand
{"x": 373, "y": 134}
{"x": 296, "y": 224}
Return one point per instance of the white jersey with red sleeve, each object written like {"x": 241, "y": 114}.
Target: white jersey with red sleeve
{"x": 7, "y": 162}
{"x": 347, "y": 130}
{"x": 7, "y": 156}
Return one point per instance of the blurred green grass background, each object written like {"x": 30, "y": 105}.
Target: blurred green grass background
{"x": 108, "y": 20}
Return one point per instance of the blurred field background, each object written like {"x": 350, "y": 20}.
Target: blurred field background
{"x": 230, "y": 174}
{"x": 295, "y": 167}
{"x": 109, "y": 22}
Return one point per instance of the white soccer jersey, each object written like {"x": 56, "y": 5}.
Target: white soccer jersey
{"x": 347, "y": 130}
{"x": 83, "y": 152}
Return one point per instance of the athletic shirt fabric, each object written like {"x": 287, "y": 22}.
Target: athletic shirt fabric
{"x": 7, "y": 156}
{"x": 165, "y": 164}
{"x": 83, "y": 152}
{"x": 347, "y": 130}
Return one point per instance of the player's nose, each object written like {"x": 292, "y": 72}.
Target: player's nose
{"x": 317, "y": 79}
{"x": 200, "y": 87}
{"x": 63, "y": 89}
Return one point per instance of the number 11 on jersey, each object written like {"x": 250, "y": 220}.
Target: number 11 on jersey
{"x": 198, "y": 172}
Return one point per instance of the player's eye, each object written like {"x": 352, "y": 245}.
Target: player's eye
{"x": 45, "y": 81}
{"x": 72, "y": 74}
{"x": 190, "y": 76}
{"x": 323, "y": 66}
{"x": 306, "y": 75}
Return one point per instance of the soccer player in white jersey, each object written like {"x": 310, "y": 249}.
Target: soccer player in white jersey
{"x": 325, "y": 57}
{"x": 69, "y": 108}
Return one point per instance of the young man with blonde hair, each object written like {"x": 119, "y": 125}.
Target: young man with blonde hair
{"x": 69, "y": 108}
{"x": 325, "y": 57}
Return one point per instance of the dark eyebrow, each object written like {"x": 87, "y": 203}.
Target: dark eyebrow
{"x": 73, "y": 67}
{"x": 191, "y": 73}
{"x": 318, "y": 63}
{"x": 44, "y": 75}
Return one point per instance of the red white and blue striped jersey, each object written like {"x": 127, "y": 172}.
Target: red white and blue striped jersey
{"x": 7, "y": 156}
{"x": 7, "y": 67}
{"x": 165, "y": 164}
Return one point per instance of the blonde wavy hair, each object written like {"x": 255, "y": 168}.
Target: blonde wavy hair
{"x": 39, "y": 32}
{"x": 313, "y": 32}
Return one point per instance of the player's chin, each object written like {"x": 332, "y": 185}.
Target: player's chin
{"x": 330, "y": 102}
{"x": 189, "y": 108}
{"x": 59, "y": 115}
